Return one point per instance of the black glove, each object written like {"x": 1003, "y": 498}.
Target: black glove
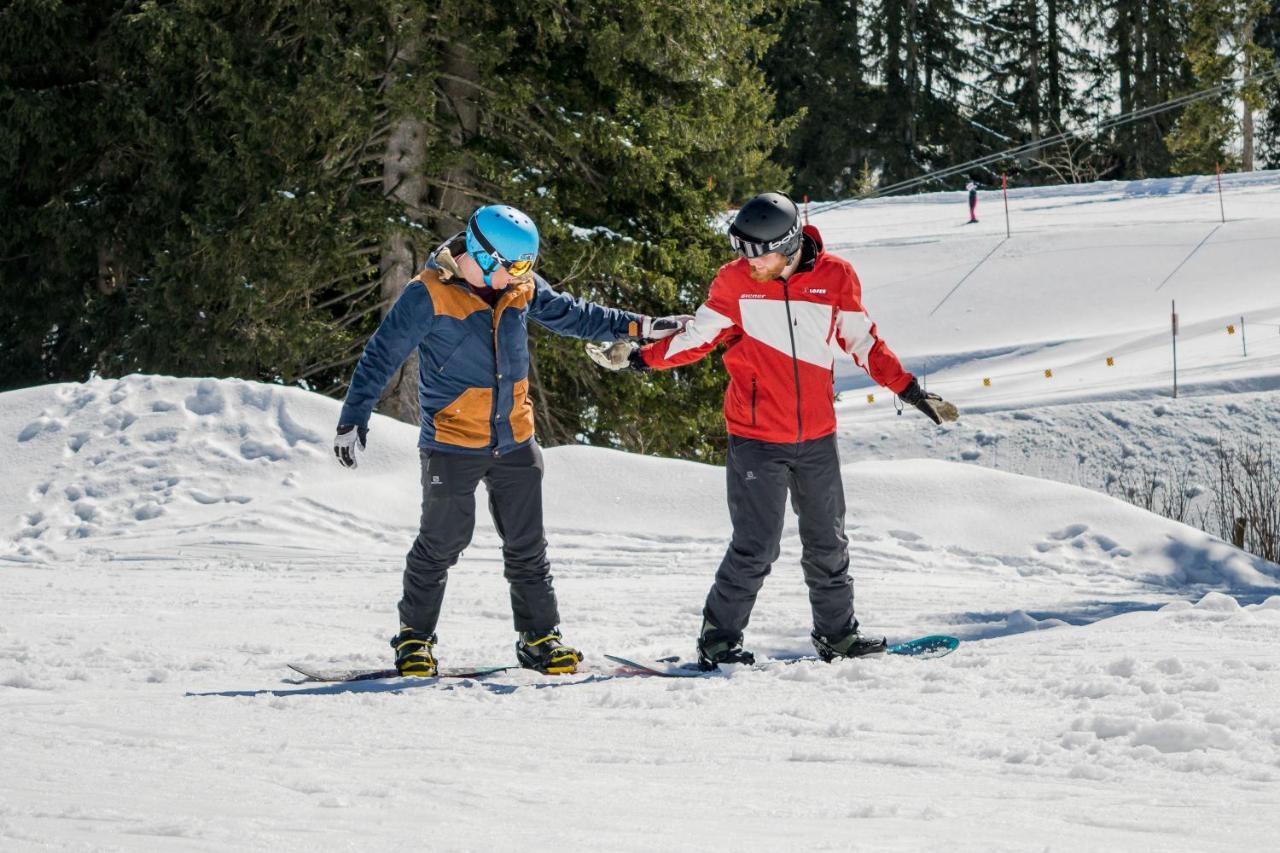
{"x": 657, "y": 328}
{"x": 935, "y": 407}
{"x": 349, "y": 441}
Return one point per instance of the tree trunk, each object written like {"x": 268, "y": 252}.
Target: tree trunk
{"x": 1033, "y": 100}
{"x": 911, "y": 80}
{"x": 1246, "y": 123}
{"x": 459, "y": 86}
{"x": 1054, "y": 49}
{"x": 402, "y": 180}
{"x": 1124, "y": 65}
{"x": 1141, "y": 89}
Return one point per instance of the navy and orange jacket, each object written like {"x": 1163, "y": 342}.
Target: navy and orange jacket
{"x": 783, "y": 338}
{"x": 473, "y": 358}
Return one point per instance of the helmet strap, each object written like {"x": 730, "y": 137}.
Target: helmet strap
{"x": 486, "y": 269}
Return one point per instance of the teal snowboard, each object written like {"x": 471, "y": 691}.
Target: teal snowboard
{"x": 933, "y": 646}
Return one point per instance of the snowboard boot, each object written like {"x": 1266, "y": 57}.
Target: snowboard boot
{"x": 848, "y": 645}
{"x": 414, "y": 653}
{"x": 715, "y": 648}
{"x": 546, "y": 652}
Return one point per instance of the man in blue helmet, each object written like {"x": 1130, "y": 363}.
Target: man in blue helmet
{"x": 466, "y": 313}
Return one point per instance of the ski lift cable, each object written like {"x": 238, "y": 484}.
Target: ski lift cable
{"x": 1037, "y": 144}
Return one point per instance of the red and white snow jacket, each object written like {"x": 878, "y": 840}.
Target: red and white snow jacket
{"x": 783, "y": 338}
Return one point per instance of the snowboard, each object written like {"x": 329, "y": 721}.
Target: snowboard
{"x": 933, "y": 646}
{"x": 319, "y": 673}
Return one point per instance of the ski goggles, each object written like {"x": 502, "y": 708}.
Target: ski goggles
{"x": 786, "y": 244}
{"x": 518, "y": 268}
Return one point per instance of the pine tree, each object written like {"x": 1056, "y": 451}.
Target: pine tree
{"x": 625, "y": 129}
{"x": 923, "y": 68}
{"x": 192, "y": 199}
{"x": 1141, "y": 64}
{"x": 1267, "y": 36}
{"x": 1031, "y": 55}
{"x": 219, "y": 187}
{"x": 1220, "y": 48}
{"x": 818, "y": 69}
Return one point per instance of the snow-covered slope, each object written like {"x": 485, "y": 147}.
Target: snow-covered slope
{"x": 1090, "y": 271}
{"x": 168, "y": 544}
{"x": 1088, "y": 275}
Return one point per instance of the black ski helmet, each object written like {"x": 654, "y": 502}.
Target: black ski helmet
{"x": 769, "y": 222}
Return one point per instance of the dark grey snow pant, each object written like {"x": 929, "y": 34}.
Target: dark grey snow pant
{"x": 759, "y": 476}
{"x": 449, "y": 483}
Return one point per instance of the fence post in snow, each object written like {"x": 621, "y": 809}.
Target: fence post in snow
{"x": 1174, "y": 311}
{"x": 806, "y": 209}
{"x": 1004, "y": 188}
{"x": 1243, "y": 345}
{"x": 1221, "y": 207}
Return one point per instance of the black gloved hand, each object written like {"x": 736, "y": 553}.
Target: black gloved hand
{"x": 347, "y": 444}
{"x": 657, "y": 328}
{"x": 935, "y": 407}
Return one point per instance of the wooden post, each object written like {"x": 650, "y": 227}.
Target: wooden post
{"x": 1004, "y": 189}
{"x": 1221, "y": 207}
{"x": 1175, "y": 348}
{"x": 1243, "y": 344}
{"x": 806, "y": 210}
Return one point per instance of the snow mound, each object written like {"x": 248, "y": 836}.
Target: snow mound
{"x": 155, "y": 458}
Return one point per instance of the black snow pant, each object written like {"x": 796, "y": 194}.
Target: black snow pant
{"x": 759, "y": 476}
{"x": 449, "y": 483}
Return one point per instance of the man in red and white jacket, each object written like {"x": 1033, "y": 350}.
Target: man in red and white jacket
{"x": 785, "y": 310}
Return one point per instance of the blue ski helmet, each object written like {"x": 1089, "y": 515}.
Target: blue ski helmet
{"x": 501, "y": 236}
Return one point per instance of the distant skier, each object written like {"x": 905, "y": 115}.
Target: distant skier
{"x": 466, "y": 313}
{"x": 782, "y": 309}
{"x": 973, "y": 201}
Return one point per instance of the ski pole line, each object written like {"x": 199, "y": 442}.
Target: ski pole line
{"x": 994, "y": 382}
{"x": 1038, "y": 144}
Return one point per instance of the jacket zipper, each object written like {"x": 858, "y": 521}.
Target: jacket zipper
{"x": 497, "y": 380}
{"x": 753, "y": 401}
{"x": 795, "y": 362}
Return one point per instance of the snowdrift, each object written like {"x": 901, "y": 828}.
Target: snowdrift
{"x": 148, "y": 462}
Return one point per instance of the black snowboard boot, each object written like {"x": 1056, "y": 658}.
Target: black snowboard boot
{"x": 414, "y": 653}
{"x": 546, "y": 652}
{"x": 851, "y": 644}
{"x": 716, "y": 647}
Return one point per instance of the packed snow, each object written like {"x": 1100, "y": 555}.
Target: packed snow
{"x": 167, "y": 545}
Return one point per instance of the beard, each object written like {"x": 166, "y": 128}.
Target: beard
{"x": 770, "y": 272}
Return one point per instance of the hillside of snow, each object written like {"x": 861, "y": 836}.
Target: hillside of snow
{"x": 169, "y": 544}
{"x": 1089, "y": 274}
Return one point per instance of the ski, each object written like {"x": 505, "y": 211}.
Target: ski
{"x": 932, "y": 646}
{"x": 317, "y": 673}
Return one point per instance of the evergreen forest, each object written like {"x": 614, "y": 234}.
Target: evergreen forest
{"x": 232, "y": 188}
